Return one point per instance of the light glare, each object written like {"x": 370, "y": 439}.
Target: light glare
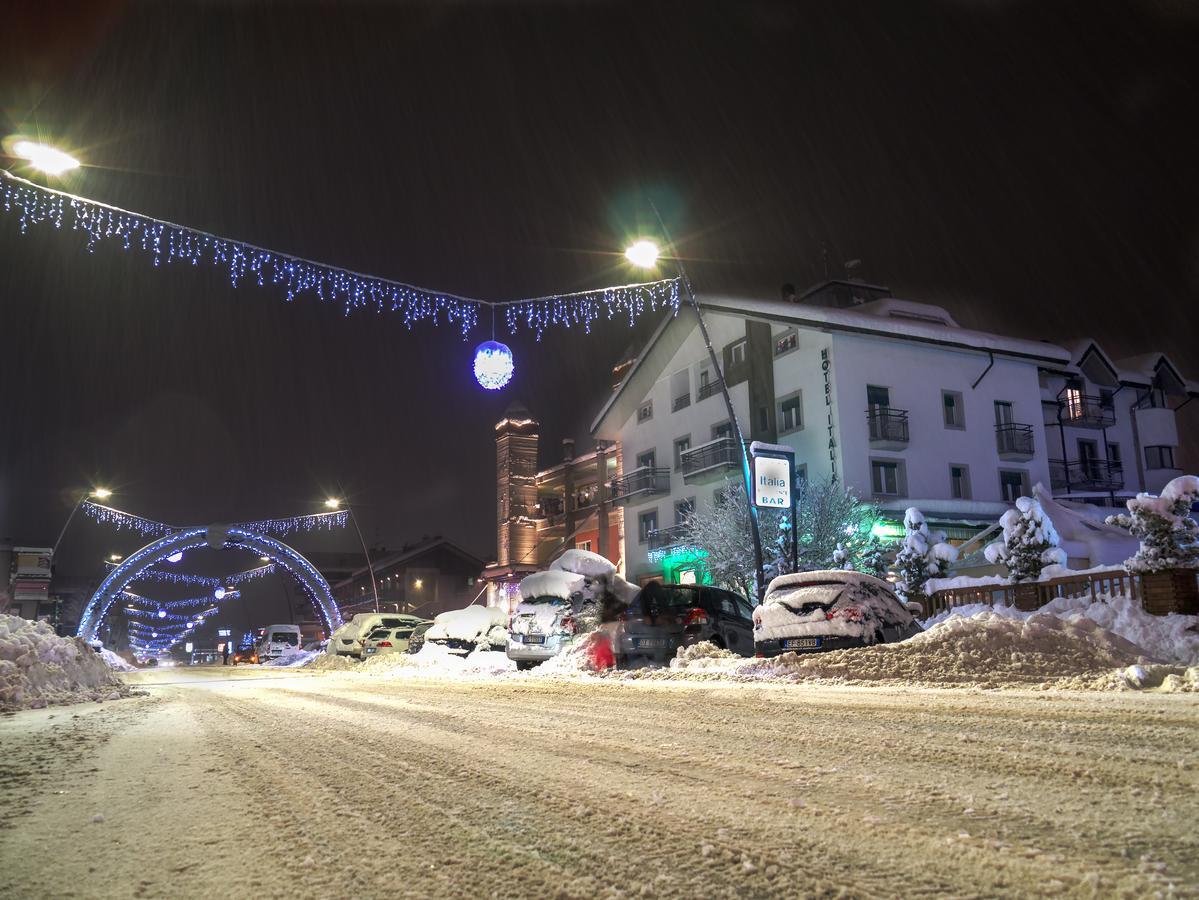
{"x": 42, "y": 156}
{"x": 643, "y": 254}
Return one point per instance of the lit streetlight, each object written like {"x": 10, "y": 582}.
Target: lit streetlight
{"x": 335, "y": 503}
{"x": 643, "y": 254}
{"x": 100, "y": 493}
{"x": 45, "y": 158}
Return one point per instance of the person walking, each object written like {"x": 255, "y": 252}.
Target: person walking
{"x": 225, "y": 653}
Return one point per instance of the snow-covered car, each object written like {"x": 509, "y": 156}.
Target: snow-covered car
{"x": 810, "y": 612}
{"x": 382, "y": 641}
{"x": 350, "y": 637}
{"x": 601, "y": 586}
{"x": 417, "y": 639}
{"x": 275, "y": 640}
{"x": 463, "y": 630}
{"x": 544, "y": 622}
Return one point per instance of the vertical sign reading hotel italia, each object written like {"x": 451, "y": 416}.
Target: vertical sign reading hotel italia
{"x": 826, "y": 368}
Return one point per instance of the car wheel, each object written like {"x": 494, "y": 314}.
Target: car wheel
{"x": 523, "y": 665}
{"x": 717, "y": 641}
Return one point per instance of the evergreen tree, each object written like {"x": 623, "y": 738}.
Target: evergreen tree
{"x": 1029, "y": 544}
{"x": 923, "y": 555}
{"x": 1169, "y": 536}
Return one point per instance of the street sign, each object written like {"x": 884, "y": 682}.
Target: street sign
{"x": 772, "y": 468}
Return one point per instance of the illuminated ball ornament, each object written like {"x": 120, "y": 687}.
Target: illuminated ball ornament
{"x": 493, "y": 365}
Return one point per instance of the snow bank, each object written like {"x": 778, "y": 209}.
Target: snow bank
{"x": 293, "y": 658}
{"x": 436, "y": 659}
{"x": 38, "y": 668}
{"x": 551, "y": 583}
{"x": 116, "y": 662}
{"x": 578, "y": 658}
{"x": 584, "y": 562}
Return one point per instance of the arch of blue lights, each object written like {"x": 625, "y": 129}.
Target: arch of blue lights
{"x": 217, "y": 537}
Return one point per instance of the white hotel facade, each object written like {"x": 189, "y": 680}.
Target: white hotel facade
{"x": 890, "y": 396}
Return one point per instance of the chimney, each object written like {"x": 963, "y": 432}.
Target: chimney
{"x": 788, "y": 291}
{"x": 568, "y": 449}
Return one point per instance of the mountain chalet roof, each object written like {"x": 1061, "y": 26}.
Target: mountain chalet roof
{"x": 890, "y": 318}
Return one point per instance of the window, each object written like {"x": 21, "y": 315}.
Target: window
{"x": 786, "y": 341}
{"x": 887, "y": 477}
{"x": 680, "y": 390}
{"x": 959, "y": 482}
{"x": 953, "y": 409}
{"x": 1003, "y": 413}
{"x": 763, "y": 418}
{"x": 1013, "y": 483}
{"x": 801, "y": 473}
{"x": 722, "y": 430}
{"x": 682, "y": 509}
{"x": 583, "y": 545}
{"x": 1073, "y": 397}
{"x": 1113, "y": 454}
{"x": 681, "y": 446}
{"x": 1159, "y": 457}
{"x": 646, "y": 522}
{"x": 645, "y": 411}
{"x": 647, "y": 460}
{"x": 790, "y": 413}
{"x": 1152, "y": 399}
{"x": 877, "y": 396}
{"x": 1106, "y": 399}
{"x": 737, "y": 351}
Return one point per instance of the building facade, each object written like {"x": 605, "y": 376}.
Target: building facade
{"x": 888, "y": 396}
{"x": 423, "y": 579}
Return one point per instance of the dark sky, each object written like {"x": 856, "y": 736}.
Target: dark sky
{"x": 1029, "y": 165}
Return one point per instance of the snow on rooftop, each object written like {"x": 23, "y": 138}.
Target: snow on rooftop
{"x": 584, "y": 562}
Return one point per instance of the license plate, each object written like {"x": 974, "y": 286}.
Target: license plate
{"x": 652, "y": 643}
{"x": 372, "y": 649}
{"x": 534, "y": 638}
{"x": 801, "y": 643}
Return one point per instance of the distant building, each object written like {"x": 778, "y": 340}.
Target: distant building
{"x": 424, "y": 579}
{"x": 540, "y": 513}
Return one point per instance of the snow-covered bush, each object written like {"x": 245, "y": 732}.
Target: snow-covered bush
{"x": 1169, "y": 536}
{"x": 1029, "y": 543}
{"x": 922, "y": 555}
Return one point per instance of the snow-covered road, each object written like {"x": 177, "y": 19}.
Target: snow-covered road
{"x": 261, "y": 783}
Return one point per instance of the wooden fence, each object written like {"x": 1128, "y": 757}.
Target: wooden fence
{"x": 1116, "y": 583}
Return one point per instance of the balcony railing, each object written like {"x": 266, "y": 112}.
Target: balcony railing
{"x": 641, "y": 482}
{"x": 888, "y": 427}
{"x": 1014, "y": 441}
{"x": 1086, "y": 474}
{"x": 666, "y": 537}
{"x": 680, "y": 402}
{"x": 704, "y": 391}
{"x": 1085, "y": 411}
{"x": 712, "y": 456}
{"x": 551, "y": 506}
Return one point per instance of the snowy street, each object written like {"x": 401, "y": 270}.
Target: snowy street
{"x": 220, "y": 782}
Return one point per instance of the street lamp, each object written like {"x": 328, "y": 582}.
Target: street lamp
{"x": 48, "y": 159}
{"x": 644, "y": 254}
{"x": 335, "y": 503}
{"x": 100, "y": 492}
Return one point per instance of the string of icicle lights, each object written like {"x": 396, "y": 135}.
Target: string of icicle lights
{"x": 107, "y": 515}
{"x": 166, "y": 243}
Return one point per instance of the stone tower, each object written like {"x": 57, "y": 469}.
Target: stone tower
{"x": 516, "y": 487}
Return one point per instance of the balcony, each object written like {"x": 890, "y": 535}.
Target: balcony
{"x": 707, "y": 390}
{"x": 1014, "y": 442}
{"x": 888, "y": 428}
{"x": 666, "y": 537}
{"x": 641, "y": 483}
{"x": 1085, "y": 411}
{"x": 1086, "y": 475}
{"x": 711, "y": 459}
{"x": 680, "y": 402}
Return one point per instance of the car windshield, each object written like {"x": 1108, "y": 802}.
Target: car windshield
{"x": 403, "y": 633}
{"x": 285, "y": 637}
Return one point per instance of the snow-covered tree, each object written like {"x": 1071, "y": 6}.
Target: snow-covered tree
{"x": 1169, "y": 536}
{"x": 833, "y": 529}
{"x": 922, "y": 555}
{"x": 1029, "y": 543}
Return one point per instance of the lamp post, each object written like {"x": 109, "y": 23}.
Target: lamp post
{"x": 99, "y": 493}
{"x": 644, "y": 254}
{"x": 334, "y": 503}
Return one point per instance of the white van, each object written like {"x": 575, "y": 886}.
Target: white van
{"x": 275, "y": 640}
{"x": 349, "y": 638}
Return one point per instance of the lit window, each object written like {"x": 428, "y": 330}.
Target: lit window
{"x": 786, "y": 341}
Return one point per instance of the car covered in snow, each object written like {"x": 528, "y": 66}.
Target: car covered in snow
{"x": 385, "y": 640}
{"x": 544, "y": 623}
{"x": 348, "y": 640}
{"x": 276, "y": 640}
{"x": 808, "y": 612}
{"x": 664, "y": 617}
{"x": 462, "y": 631}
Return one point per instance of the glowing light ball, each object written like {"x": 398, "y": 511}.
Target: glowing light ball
{"x": 219, "y": 593}
{"x": 493, "y": 365}
{"x": 176, "y": 556}
{"x": 162, "y": 614}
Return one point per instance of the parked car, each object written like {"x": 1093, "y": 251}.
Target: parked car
{"x": 811, "y": 612}
{"x": 389, "y": 640}
{"x": 545, "y": 621}
{"x": 348, "y": 640}
{"x": 245, "y": 654}
{"x": 462, "y": 630}
{"x": 417, "y": 639}
{"x": 275, "y": 640}
{"x": 663, "y": 617}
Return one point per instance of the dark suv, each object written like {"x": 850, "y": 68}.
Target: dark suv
{"x": 664, "y": 617}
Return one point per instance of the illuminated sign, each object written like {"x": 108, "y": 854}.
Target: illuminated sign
{"x": 772, "y": 470}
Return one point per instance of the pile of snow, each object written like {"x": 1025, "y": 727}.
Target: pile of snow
{"x": 584, "y": 562}
{"x": 434, "y": 659}
{"x": 37, "y": 668}
{"x": 552, "y": 583}
{"x": 116, "y": 662}
{"x": 475, "y": 624}
{"x": 293, "y": 658}
{"x": 704, "y": 655}
{"x": 1084, "y": 533}
{"x": 578, "y": 658}
{"x": 848, "y": 604}
{"x": 330, "y": 662}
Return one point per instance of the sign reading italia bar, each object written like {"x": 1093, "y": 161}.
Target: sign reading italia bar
{"x": 773, "y": 465}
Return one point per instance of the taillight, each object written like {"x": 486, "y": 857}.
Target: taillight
{"x": 695, "y": 616}
{"x": 568, "y": 624}
{"x": 384, "y": 643}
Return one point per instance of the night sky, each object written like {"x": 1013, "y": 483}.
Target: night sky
{"x": 1031, "y": 166}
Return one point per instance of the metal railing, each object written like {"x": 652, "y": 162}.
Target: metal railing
{"x": 680, "y": 402}
{"x": 1086, "y": 474}
{"x": 1014, "y": 439}
{"x": 1086, "y": 411}
{"x": 662, "y": 538}
{"x": 704, "y": 391}
{"x": 720, "y": 452}
{"x": 887, "y": 424}
{"x": 645, "y": 480}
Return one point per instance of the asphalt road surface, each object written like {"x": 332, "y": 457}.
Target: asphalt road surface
{"x": 263, "y": 784}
